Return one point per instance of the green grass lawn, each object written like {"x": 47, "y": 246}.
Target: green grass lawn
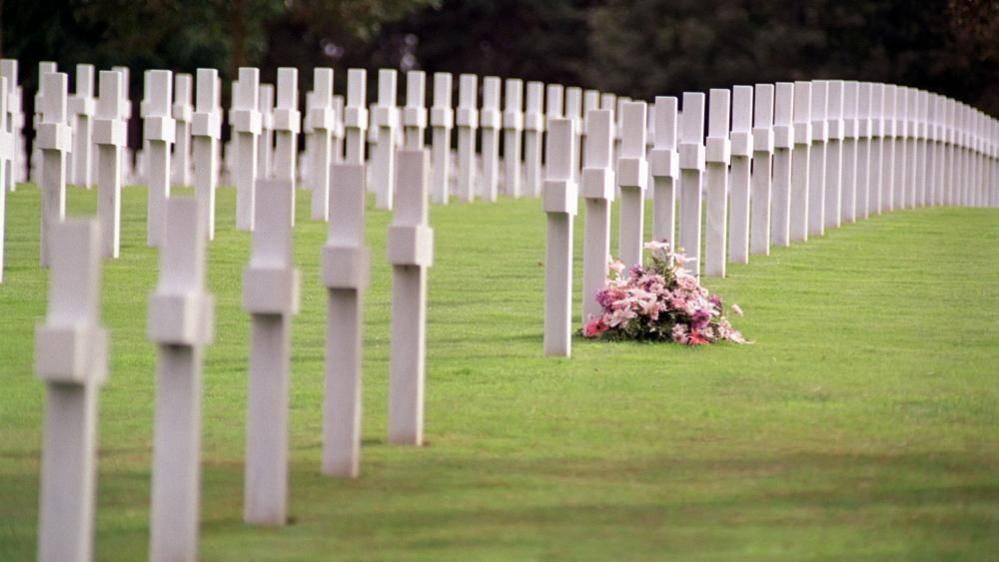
{"x": 863, "y": 424}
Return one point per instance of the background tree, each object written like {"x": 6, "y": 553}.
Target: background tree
{"x": 639, "y": 48}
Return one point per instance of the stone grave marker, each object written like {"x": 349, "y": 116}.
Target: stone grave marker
{"x": 6, "y": 162}
{"x": 665, "y": 170}
{"x": 126, "y": 116}
{"x": 952, "y": 154}
{"x": 270, "y": 295}
{"x": 71, "y": 358}
{"x": 554, "y": 102}
{"x": 717, "y": 155}
{"x": 953, "y": 167}
{"x": 918, "y": 156}
{"x": 467, "y": 120}
{"x": 691, "y": 164}
{"x": 632, "y": 179}
{"x": 53, "y": 138}
{"x": 761, "y": 177}
{"x": 597, "y": 188}
{"x": 608, "y": 101}
{"x": 513, "y": 126}
{"x": 574, "y": 112}
{"x": 923, "y": 158}
{"x": 785, "y": 95}
{"x": 355, "y": 116}
{"x": 414, "y": 114}
{"x": 591, "y": 100}
{"x": 617, "y": 126}
{"x": 44, "y": 67}
{"x": 534, "y": 128}
{"x": 848, "y": 197}
{"x": 865, "y": 94}
{"x": 559, "y": 203}
{"x": 205, "y": 132}
{"x": 82, "y": 106}
{"x": 287, "y": 124}
{"x": 338, "y": 129}
{"x": 411, "y": 253}
{"x": 384, "y": 117}
{"x": 937, "y": 149}
{"x": 814, "y": 220}
{"x": 490, "y": 120}
{"x": 305, "y": 156}
{"x": 879, "y": 150}
{"x": 183, "y": 111}
{"x": 158, "y": 129}
{"x": 265, "y": 143}
{"x": 15, "y": 121}
{"x": 834, "y": 155}
{"x": 345, "y": 266}
{"x": 245, "y": 119}
{"x": 110, "y": 136}
{"x": 323, "y": 120}
{"x": 801, "y": 160}
{"x": 960, "y": 154}
{"x": 900, "y": 181}
{"x": 441, "y": 123}
{"x": 741, "y": 140}
{"x": 181, "y": 324}
{"x": 891, "y": 152}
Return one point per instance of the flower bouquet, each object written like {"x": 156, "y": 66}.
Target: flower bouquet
{"x": 660, "y": 301}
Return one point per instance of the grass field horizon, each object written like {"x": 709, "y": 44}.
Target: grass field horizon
{"x": 862, "y": 424}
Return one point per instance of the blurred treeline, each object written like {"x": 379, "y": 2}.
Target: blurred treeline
{"x": 638, "y": 48}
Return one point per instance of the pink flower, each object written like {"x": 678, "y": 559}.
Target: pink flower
{"x": 679, "y": 333}
{"x": 635, "y": 299}
{"x": 605, "y": 298}
{"x": 687, "y": 282}
{"x": 594, "y": 328}
{"x": 700, "y": 320}
{"x": 620, "y": 316}
{"x": 697, "y": 338}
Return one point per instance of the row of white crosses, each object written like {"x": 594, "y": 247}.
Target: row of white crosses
{"x": 780, "y": 162}
{"x": 832, "y": 96}
{"x": 823, "y": 203}
{"x": 807, "y": 193}
{"x": 825, "y": 137}
{"x": 81, "y": 156}
{"x": 516, "y": 124}
{"x": 71, "y": 353}
{"x": 813, "y": 210}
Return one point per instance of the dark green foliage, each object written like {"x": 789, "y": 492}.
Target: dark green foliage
{"x": 650, "y": 47}
{"x": 638, "y": 48}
